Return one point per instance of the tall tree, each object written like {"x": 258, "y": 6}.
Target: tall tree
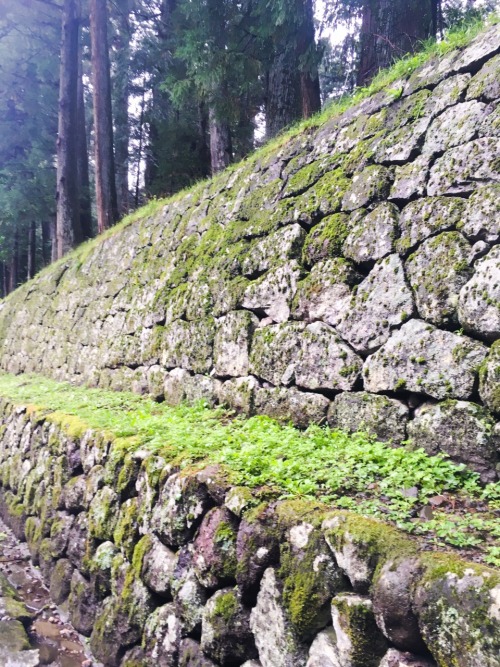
{"x": 121, "y": 92}
{"x": 68, "y": 228}
{"x": 82, "y": 147}
{"x": 390, "y": 29}
{"x": 106, "y": 201}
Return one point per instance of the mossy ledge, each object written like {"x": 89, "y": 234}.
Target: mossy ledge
{"x": 130, "y": 524}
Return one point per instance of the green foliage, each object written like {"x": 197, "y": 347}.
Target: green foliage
{"x": 354, "y": 472}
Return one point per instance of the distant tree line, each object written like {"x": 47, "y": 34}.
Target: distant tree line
{"x": 105, "y": 103}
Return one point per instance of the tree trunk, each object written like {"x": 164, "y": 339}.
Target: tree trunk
{"x": 121, "y": 99}
{"x": 32, "y": 250}
{"x": 83, "y": 159}
{"x": 307, "y": 54}
{"x": 14, "y": 264}
{"x": 283, "y": 99}
{"x": 221, "y": 151}
{"x": 204, "y": 148}
{"x": 68, "y": 206}
{"x": 107, "y": 209}
{"x": 389, "y": 30}
{"x": 46, "y": 243}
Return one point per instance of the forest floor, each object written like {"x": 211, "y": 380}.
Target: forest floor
{"x": 441, "y": 503}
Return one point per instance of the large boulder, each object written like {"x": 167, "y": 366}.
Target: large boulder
{"x": 214, "y": 558}
{"x": 361, "y": 411}
{"x": 275, "y": 638}
{"x": 489, "y": 379}
{"x": 463, "y": 431}
{"x": 420, "y": 358}
{"x": 479, "y": 302}
{"x": 481, "y": 218}
{"x": 437, "y": 271}
{"x": 371, "y": 237}
{"x": 425, "y": 217}
{"x": 232, "y": 343}
{"x": 382, "y": 301}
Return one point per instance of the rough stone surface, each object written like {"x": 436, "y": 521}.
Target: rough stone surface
{"x": 214, "y": 558}
{"x": 425, "y": 217}
{"x": 462, "y": 430}
{"x": 385, "y": 417}
{"x": 276, "y": 641}
{"x": 479, "y": 302}
{"x": 455, "y": 126}
{"x": 359, "y": 640}
{"x": 382, "y": 302}
{"x": 420, "y": 358}
{"x": 392, "y": 604}
{"x": 324, "y": 651}
{"x": 437, "y": 271}
{"x": 481, "y": 220}
{"x": 372, "y": 237}
{"x": 225, "y": 631}
{"x": 395, "y": 658}
{"x": 489, "y": 379}
{"x": 158, "y": 566}
{"x": 232, "y": 343}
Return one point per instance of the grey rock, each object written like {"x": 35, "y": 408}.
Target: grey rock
{"x": 257, "y": 548}
{"x": 289, "y": 405}
{"x": 478, "y": 250}
{"x": 447, "y": 93}
{"x": 385, "y": 417}
{"x": 401, "y": 145}
{"x": 274, "y": 292}
{"x": 411, "y": 179}
{"x": 189, "y": 595}
{"x": 479, "y": 302}
{"x": 275, "y": 249}
{"x": 232, "y": 343}
{"x": 382, "y": 302}
{"x": 395, "y": 658}
{"x": 426, "y": 216}
{"x": 481, "y": 219}
{"x": 225, "y": 629}
{"x": 462, "y": 430}
{"x": 324, "y": 651}
{"x": 325, "y": 240}
{"x": 12, "y": 658}
{"x": 214, "y": 549}
{"x": 484, "y": 46}
{"x": 239, "y": 394}
{"x": 325, "y": 361}
{"x": 325, "y": 293}
{"x": 485, "y": 84}
{"x": 359, "y": 641}
{"x": 275, "y": 351}
{"x": 179, "y": 510}
{"x": 189, "y": 345}
{"x": 431, "y": 73}
{"x": 60, "y": 580}
{"x": 372, "y": 237}
{"x": 455, "y": 126}
{"x": 274, "y": 636}
{"x": 437, "y": 271}
{"x": 158, "y": 566}
{"x": 423, "y": 359}
{"x": 372, "y": 184}
{"x": 460, "y": 170}
{"x": 392, "y": 604}
{"x": 83, "y": 604}
{"x": 489, "y": 379}
{"x": 163, "y": 633}
{"x": 191, "y": 655}
{"x": 444, "y": 607}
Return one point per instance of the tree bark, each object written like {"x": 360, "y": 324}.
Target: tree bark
{"x": 14, "y": 264}
{"x": 68, "y": 205}
{"x": 307, "y": 54}
{"x": 83, "y": 158}
{"x": 46, "y": 243}
{"x": 221, "y": 151}
{"x": 107, "y": 209}
{"x": 32, "y": 250}
{"x": 390, "y": 29}
{"x": 283, "y": 99}
{"x": 121, "y": 100}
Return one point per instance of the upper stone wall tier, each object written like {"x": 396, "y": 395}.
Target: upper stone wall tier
{"x": 350, "y": 275}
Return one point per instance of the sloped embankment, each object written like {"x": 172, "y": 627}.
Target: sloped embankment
{"x": 164, "y": 564}
{"x": 352, "y": 275}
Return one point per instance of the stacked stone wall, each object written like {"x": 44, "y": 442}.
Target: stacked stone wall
{"x": 168, "y": 568}
{"x": 350, "y": 276}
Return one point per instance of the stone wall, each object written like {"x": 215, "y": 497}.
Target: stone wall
{"x": 351, "y": 275}
{"x": 169, "y": 568}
